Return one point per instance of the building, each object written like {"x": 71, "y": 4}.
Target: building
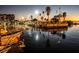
{"x": 8, "y": 18}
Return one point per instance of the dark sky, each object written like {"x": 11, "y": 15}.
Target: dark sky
{"x": 25, "y": 10}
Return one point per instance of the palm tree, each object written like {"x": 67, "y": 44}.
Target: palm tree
{"x": 64, "y": 15}
{"x": 48, "y": 9}
{"x": 40, "y": 14}
{"x": 31, "y": 17}
{"x": 43, "y": 14}
{"x": 42, "y": 17}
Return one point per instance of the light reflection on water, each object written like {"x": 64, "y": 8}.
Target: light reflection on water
{"x": 42, "y": 38}
{"x": 37, "y": 38}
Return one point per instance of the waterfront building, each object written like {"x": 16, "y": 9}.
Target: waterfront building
{"x": 7, "y": 17}
{"x": 7, "y": 20}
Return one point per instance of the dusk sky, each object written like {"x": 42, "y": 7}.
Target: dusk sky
{"x": 25, "y": 10}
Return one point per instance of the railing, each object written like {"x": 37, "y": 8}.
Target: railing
{"x": 57, "y": 25}
{"x": 7, "y": 41}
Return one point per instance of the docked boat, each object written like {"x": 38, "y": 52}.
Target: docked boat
{"x": 50, "y": 25}
{"x": 61, "y": 25}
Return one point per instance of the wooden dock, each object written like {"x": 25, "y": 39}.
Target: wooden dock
{"x": 8, "y": 40}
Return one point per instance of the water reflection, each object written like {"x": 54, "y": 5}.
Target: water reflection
{"x": 48, "y": 43}
{"x": 43, "y": 38}
{"x": 63, "y": 36}
{"x": 37, "y": 37}
{"x": 58, "y": 40}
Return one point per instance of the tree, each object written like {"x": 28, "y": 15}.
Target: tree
{"x": 40, "y": 15}
{"x": 31, "y": 17}
{"x": 64, "y": 15}
{"x": 43, "y": 14}
{"x": 48, "y": 9}
{"x": 34, "y": 19}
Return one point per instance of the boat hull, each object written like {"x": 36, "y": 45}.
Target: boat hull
{"x": 53, "y": 26}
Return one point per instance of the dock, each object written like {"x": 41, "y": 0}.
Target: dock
{"x": 8, "y": 41}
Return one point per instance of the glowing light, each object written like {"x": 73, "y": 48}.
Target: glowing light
{"x": 29, "y": 32}
{"x": 36, "y": 12}
{"x": 73, "y": 18}
{"x": 59, "y": 41}
{"x": 37, "y": 37}
{"x": 22, "y": 17}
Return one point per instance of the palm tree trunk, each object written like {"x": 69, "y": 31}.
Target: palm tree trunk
{"x": 64, "y": 18}
{"x": 43, "y": 17}
{"x": 48, "y": 18}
